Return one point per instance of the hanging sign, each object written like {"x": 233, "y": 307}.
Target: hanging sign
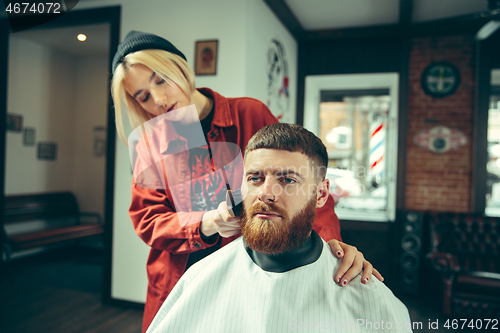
{"x": 440, "y": 139}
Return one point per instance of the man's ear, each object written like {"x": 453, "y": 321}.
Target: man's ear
{"x": 322, "y": 193}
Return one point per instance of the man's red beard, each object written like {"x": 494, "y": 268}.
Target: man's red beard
{"x": 266, "y": 236}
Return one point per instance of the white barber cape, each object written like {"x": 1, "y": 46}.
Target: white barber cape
{"x": 227, "y": 292}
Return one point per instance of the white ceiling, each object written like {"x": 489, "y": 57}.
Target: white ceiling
{"x": 64, "y": 39}
{"x": 336, "y": 14}
{"x": 330, "y": 14}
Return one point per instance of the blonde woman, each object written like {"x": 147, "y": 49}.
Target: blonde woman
{"x": 151, "y": 78}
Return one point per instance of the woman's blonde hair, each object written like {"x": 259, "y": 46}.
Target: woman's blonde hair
{"x": 167, "y": 65}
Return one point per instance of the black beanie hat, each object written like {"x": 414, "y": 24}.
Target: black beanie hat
{"x": 137, "y": 41}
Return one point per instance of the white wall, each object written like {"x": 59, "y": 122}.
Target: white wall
{"x": 243, "y": 29}
{"x": 262, "y": 27}
{"x": 185, "y": 22}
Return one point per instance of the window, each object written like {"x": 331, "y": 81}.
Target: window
{"x": 356, "y": 117}
{"x": 493, "y": 162}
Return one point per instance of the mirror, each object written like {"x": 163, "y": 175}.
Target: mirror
{"x": 57, "y": 106}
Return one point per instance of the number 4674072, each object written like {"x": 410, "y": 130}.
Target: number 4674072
{"x": 478, "y": 324}
{"x": 33, "y": 8}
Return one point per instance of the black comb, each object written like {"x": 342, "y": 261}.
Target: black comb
{"x": 231, "y": 198}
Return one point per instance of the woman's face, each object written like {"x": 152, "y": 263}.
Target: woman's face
{"x": 154, "y": 94}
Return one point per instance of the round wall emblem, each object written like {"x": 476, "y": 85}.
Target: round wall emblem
{"x": 440, "y": 79}
{"x": 440, "y": 139}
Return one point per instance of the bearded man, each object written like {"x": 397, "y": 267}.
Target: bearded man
{"x": 275, "y": 278}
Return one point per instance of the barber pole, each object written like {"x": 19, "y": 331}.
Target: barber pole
{"x": 376, "y": 160}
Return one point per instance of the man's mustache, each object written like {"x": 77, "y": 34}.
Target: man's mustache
{"x": 264, "y": 207}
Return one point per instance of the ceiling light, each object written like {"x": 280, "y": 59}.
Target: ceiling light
{"x": 81, "y": 37}
{"x": 487, "y": 30}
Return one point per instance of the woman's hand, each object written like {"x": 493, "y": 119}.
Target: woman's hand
{"x": 220, "y": 221}
{"x": 353, "y": 262}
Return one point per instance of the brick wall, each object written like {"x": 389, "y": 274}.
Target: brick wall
{"x": 440, "y": 182}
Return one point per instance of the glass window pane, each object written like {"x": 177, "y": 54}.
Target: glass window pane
{"x": 493, "y": 164}
{"x": 354, "y": 130}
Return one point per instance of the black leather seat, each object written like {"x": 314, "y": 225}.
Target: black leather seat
{"x": 466, "y": 253}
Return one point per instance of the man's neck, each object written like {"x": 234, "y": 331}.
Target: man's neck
{"x": 305, "y": 254}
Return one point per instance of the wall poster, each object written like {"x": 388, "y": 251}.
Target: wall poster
{"x": 278, "y": 94}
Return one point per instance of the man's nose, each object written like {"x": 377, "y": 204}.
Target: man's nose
{"x": 268, "y": 190}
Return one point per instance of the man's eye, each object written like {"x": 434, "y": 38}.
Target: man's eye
{"x": 288, "y": 180}
{"x": 253, "y": 179}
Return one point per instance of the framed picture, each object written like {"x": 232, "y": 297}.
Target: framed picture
{"x": 99, "y": 141}
{"x": 14, "y": 122}
{"x": 47, "y": 151}
{"x": 29, "y": 136}
{"x": 206, "y": 57}
{"x": 99, "y": 148}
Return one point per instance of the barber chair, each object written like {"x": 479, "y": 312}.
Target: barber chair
{"x": 466, "y": 255}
